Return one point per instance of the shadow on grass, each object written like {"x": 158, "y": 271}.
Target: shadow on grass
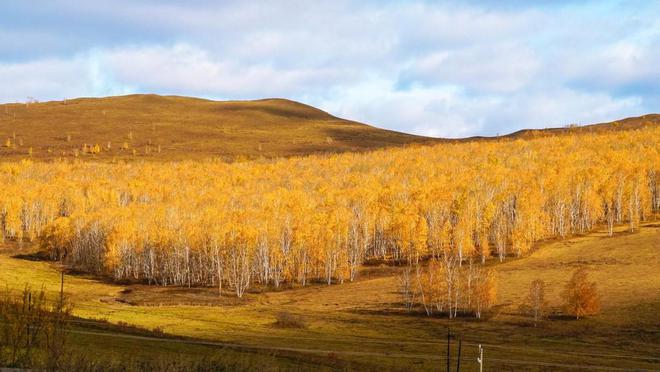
{"x": 34, "y": 256}
{"x": 565, "y": 317}
{"x": 399, "y": 309}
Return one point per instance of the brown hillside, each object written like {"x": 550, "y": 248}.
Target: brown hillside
{"x": 183, "y": 128}
{"x": 174, "y": 128}
{"x": 623, "y": 124}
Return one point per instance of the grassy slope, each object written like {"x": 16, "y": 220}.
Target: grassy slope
{"x": 185, "y": 128}
{"x": 623, "y": 124}
{"x": 362, "y": 323}
{"x": 192, "y": 128}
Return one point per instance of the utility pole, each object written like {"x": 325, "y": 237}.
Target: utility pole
{"x": 448, "y": 351}
{"x": 480, "y": 359}
{"x": 458, "y": 362}
{"x": 29, "y": 318}
{"x": 62, "y": 290}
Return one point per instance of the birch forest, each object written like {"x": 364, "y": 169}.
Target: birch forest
{"x": 317, "y": 219}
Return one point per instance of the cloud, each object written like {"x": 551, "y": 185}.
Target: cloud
{"x": 54, "y": 78}
{"x": 623, "y": 67}
{"x": 437, "y": 68}
{"x": 50, "y": 78}
{"x": 451, "y": 112}
{"x": 502, "y": 68}
{"x": 183, "y": 68}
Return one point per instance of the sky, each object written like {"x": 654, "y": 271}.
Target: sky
{"x": 437, "y": 68}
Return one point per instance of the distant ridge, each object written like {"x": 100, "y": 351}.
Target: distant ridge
{"x": 149, "y": 126}
{"x": 623, "y": 124}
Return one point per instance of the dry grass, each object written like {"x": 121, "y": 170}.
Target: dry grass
{"x": 625, "y": 268}
{"x": 183, "y": 128}
{"x": 363, "y": 324}
{"x": 192, "y": 128}
{"x": 623, "y": 124}
{"x": 285, "y": 319}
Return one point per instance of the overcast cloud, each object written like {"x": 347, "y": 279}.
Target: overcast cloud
{"x": 448, "y": 69}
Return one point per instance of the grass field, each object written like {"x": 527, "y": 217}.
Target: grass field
{"x": 182, "y": 128}
{"x": 361, "y": 325}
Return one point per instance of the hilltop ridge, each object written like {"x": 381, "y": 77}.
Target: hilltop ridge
{"x": 150, "y": 126}
{"x": 175, "y": 128}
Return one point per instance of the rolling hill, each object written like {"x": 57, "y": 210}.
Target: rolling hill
{"x": 182, "y": 128}
{"x": 175, "y": 128}
{"x": 623, "y": 124}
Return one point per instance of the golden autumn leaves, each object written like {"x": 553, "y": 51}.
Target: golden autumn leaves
{"x": 318, "y": 218}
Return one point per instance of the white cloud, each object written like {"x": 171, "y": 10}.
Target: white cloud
{"x": 450, "y": 112}
{"x": 619, "y": 64}
{"x": 500, "y": 68}
{"x": 52, "y": 78}
{"x": 446, "y": 69}
{"x": 184, "y": 68}
{"x": 435, "y": 111}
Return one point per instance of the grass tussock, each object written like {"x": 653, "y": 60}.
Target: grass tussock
{"x": 285, "y": 319}
{"x": 168, "y": 364}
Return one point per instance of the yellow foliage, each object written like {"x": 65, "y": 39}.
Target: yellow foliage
{"x": 320, "y": 217}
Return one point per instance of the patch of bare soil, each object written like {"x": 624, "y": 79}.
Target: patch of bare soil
{"x": 146, "y": 295}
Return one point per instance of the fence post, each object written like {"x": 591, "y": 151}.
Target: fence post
{"x": 62, "y": 290}
{"x": 480, "y": 359}
{"x": 448, "y": 350}
{"x": 458, "y": 361}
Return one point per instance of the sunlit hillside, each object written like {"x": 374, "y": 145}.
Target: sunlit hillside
{"x": 162, "y": 128}
{"x": 169, "y": 127}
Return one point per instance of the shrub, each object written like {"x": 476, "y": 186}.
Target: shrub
{"x": 285, "y": 319}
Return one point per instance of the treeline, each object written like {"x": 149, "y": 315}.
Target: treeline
{"x": 318, "y": 218}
